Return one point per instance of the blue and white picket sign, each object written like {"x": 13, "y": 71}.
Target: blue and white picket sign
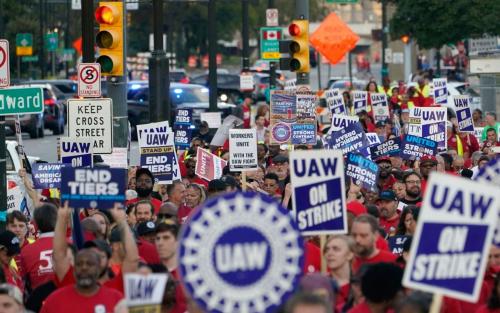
{"x": 76, "y": 151}
{"x": 440, "y": 91}
{"x": 318, "y": 191}
{"x": 46, "y": 175}
{"x": 349, "y": 139}
{"x": 184, "y": 117}
{"x": 182, "y": 136}
{"x": 342, "y": 121}
{"x": 464, "y": 113}
{"x": 490, "y": 174}
{"x": 380, "y": 106}
{"x": 96, "y": 188}
{"x": 142, "y": 291}
{"x": 455, "y": 228}
{"x": 390, "y": 147}
{"x": 429, "y": 123}
{"x": 157, "y": 154}
{"x": 332, "y": 93}
{"x": 336, "y": 104}
{"x": 359, "y": 100}
{"x": 363, "y": 171}
{"x": 396, "y": 243}
{"x": 373, "y": 139}
{"x": 240, "y": 252}
{"x": 414, "y": 147}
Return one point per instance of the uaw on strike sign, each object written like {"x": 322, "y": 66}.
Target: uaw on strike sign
{"x": 454, "y": 232}
{"x": 240, "y": 252}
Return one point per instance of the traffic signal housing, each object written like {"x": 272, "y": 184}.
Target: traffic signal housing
{"x": 405, "y": 39}
{"x": 110, "y": 38}
{"x": 299, "y": 46}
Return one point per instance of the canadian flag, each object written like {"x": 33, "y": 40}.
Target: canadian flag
{"x": 272, "y": 35}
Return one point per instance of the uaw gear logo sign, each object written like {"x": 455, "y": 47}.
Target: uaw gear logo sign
{"x": 240, "y": 252}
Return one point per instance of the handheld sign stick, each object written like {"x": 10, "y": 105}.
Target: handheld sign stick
{"x": 437, "y": 301}
{"x": 322, "y": 244}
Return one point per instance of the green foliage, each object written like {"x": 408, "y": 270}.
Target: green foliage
{"x": 433, "y": 23}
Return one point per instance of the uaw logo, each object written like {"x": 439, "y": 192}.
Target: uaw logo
{"x": 281, "y": 132}
{"x": 240, "y": 252}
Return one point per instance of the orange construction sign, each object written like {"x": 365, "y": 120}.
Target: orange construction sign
{"x": 333, "y": 38}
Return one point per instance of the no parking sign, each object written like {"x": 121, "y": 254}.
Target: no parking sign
{"x": 89, "y": 80}
{"x": 240, "y": 252}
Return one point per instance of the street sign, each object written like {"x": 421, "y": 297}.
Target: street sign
{"x": 246, "y": 82}
{"x": 51, "y": 42}
{"x": 132, "y": 5}
{"x": 92, "y": 118}
{"x": 4, "y": 63}
{"x": 484, "y": 66}
{"x": 270, "y": 43}
{"x": 89, "y": 80}
{"x": 272, "y": 17}
{"x": 29, "y": 58}
{"x": 76, "y": 4}
{"x": 24, "y": 44}
{"x": 484, "y": 45}
{"x": 67, "y": 54}
{"x": 20, "y": 100}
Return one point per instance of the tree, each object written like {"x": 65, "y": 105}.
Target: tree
{"x": 434, "y": 23}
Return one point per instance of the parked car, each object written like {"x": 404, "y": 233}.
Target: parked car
{"x": 228, "y": 86}
{"x": 345, "y": 84}
{"x": 179, "y": 76}
{"x": 182, "y": 96}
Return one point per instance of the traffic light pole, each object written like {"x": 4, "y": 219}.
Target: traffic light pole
{"x": 244, "y": 36}
{"x": 159, "y": 82}
{"x": 302, "y": 12}
{"x": 3, "y": 152}
{"x": 385, "y": 70}
{"x": 272, "y": 65}
{"x": 212, "y": 57}
{"x": 87, "y": 31}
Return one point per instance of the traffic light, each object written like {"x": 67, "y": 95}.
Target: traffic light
{"x": 110, "y": 38}
{"x": 299, "y": 46}
{"x": 405, "y": 39}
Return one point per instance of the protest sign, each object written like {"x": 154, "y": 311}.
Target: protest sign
{"x": 119, "y": 158}
{"x": 76, "y": 152}
{"x": 478, "y": 132}
{"x": 336, "y": 104}
{"x": 390, "y": 147}
{"x": 96, "y": 188}
{"x": 222, "y": 133}
{"x": 349, "y": 139}
{"x": 157, "y": 154}
{"x": 184, "y": 117}
{"x": 182, "y": 137}
{"x": 372, "y": 138}
{"x": 240, "y": 252}
{"x": 330, "y": 93}
{"x": 455, "y": 228}
{"x": 208, "y": 165}
{"x": 213, "y": 119}
{"x": 46, "y": 175}
{"x": 243, "y": 150}
{"x": 283, "y": 110}
{"x": 464, "y": 113}
{"x": 16, "y": 201}
{"x": 490, "y": 174}
{"x": 318, "y": 192}
{"x": 429, "y": 123}
{"x": 342, "y": 121}
{"x": 440, "y": 91}
{"x": 396, "y": 244}
{"x": 380, "y": 106}
{"x": 158, "y": 127}
{"x": 413, "y": 147}
{"x": 362, "y": 171}
{"x": 304, "y": 128}
{"x": 359, "y": 100}
{"x": 144, "y": 293}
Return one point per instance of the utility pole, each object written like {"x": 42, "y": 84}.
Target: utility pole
{"x": 159, "y": 82}
{"x": 302, "y": 12}
{"x": 87, "y": 31}
{"x": 212, "y": 57}
{"x": 3, "y": 161}
{"x": 42, "y": 43}
{"x": 244, "y": 35}
{"x": 66, "y": 37}
{"x": 272, "y": 64}
{"x": 385, "y": 70}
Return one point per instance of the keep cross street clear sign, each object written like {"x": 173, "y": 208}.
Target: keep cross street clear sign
{"x": 17, "y": 100}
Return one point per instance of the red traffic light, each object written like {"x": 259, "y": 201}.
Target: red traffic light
{"x": 405, "y": 38}
{"x": 294, "y": 29}
{"x": 105, "y": 15}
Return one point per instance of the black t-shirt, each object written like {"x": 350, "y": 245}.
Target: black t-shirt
{"x": 411, "y": 202}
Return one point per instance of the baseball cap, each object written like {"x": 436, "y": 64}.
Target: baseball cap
{"x": 11, "y": 291}
{"x": 356, "y": 208}
{"x": 380, "y": 124}
{"x": 9, "y": 241}
{"x": 388, "y": 195}
{"x": 216, "y": 185}
{"x": 99, "y": 244}
{"x": 280, "y": 159}
{"x": 144, "y": 228}
{"x": 384, "y": 158}
{"x": 428, "y": 158}
{"x": 230, "y": 181}
{"x": 141, "y": 171}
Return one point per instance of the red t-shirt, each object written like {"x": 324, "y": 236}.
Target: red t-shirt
{"x": 36, "y": 260}
{"x": 381, "y": 256}
{"x": 148, "y": 252}
{"x": 342, "y": 297}
{"x": 180, "y": 298}
{"x": 183, "y": 213}
{"x": 67, "y": 299}
{"x": 360, "y": 308}
{"x": 312, "y": 258}
{"x": 155, "y": 202}
{"x": 382, "y": 244}
{"x": 17, "y": 259}
{"x": 69, "y": 280}
{"x": 484, "y": 309}
{"x": 387, "y": 224}
{"x": 12, "y": 277}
